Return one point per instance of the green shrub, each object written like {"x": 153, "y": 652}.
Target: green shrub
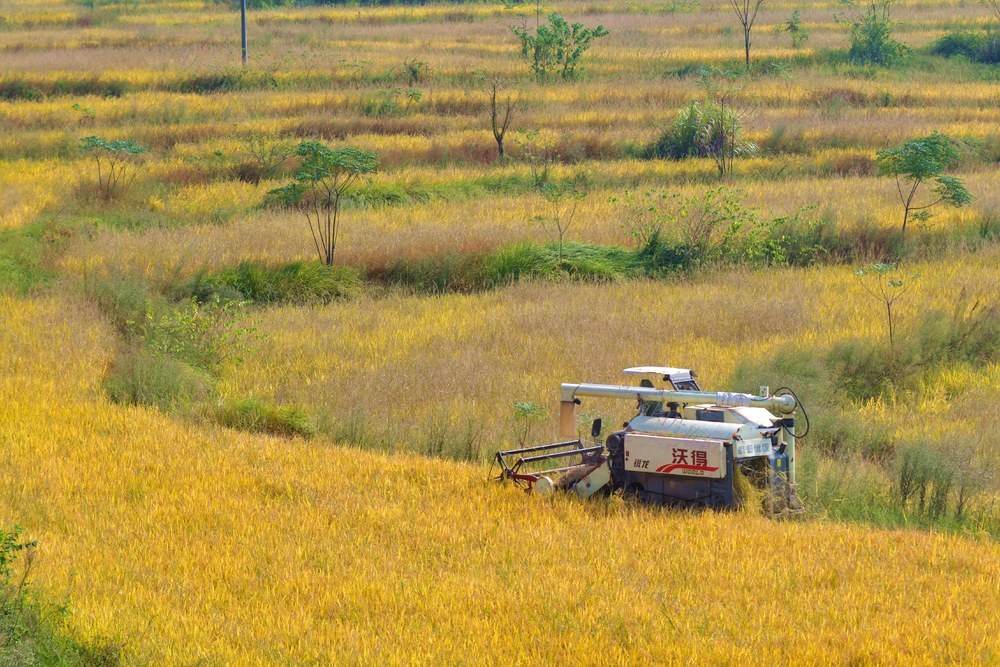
{"x": 871, "y": 35}
{"x": 838, "y": 432}
{"x": 297, "y": 282}
{"x": 966, "y": 44}
{"x": 865, "y": 370}
{"x": 977, "y": 47}
{"x": 12, "y": 89}
{"x": 702, "y": 130}
{"x": 969, "y": 335}
{"x": 226, "y": 80}
{"x": 124, "y": 300}
{"x": 510, "y": 264}
{"x": 204, "y": 335}
{"x": 925, "y": 479}
{"x": 257, "y": 416}
{"x": 661, "y": 255}
{"x": 141, "y": 377}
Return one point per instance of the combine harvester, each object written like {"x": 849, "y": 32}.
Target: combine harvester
{"x": 685, "y": 446}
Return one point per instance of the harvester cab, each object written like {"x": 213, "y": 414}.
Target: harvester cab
{"x": 684, "y": 446}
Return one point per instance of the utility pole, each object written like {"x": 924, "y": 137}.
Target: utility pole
{"x": 243, "y": 28}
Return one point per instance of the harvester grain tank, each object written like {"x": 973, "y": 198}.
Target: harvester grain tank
{"x": 685, "y": 446}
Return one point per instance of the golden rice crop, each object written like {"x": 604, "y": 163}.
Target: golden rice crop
{"x": 195, "y": 544}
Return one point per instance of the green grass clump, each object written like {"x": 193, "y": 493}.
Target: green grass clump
{"x": 510, "y": 264}
{"x": 125, "y": 301}
{"x": 297, "y": 282}
{"x": 143, "y": 377}
{"x": 22, "y": 254}
{"x": 257, "y": 416}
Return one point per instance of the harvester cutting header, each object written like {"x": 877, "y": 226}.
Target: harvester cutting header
{"x": 685, "y": 446}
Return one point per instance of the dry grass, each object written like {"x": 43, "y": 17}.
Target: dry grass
{"x": 413, "y": 367}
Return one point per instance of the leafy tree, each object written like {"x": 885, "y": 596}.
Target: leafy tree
{"x": 325, "y": 176}
{"x": 556, "y": 48}
{"x": 118, "y": 163}
{"x": 918, "y": 161}
{"x": 871, "y": 33}
{"x": 883, "y": 283}
{"x": 746, "y": 12}
{"x": 793, "y": 26}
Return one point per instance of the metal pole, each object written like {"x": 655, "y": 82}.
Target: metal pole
{"x": 243, "y": 28}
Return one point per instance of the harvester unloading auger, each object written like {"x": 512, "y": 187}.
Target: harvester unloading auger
{"x": 684, "y": 447}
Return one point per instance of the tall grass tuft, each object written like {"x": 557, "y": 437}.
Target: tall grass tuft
{"x": 142, "y": 377}
{"x": 257, "y": 416}
{"x": 296, "y": 282}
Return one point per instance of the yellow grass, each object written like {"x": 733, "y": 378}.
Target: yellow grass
{"x": 29, "y": 187}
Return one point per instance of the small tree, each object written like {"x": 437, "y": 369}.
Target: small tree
{"x": 118, "y": 162}
{"x": 994, "y": 7}
{"x": 501, "y": 112}
{"x": 563, "y": 200}
{"x": 325, "y": 176}
{"x": 793, "y": 26}
{"x": 525, "y": 416}
{"x": 918, "y": 161}
{"x": 263, "y": 155}
{"x": 557, "y": 48}
{"x": 871, "y": 33}
{"x": 746, "y": 12}
{"x": 12, "y": 587}
{"x": 642, "y": 217}
{"x": 538, "y": 149}
{"x": 883, "y": 282}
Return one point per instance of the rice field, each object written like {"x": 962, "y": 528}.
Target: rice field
{"x": 377, "y": 539}
{"x": 192, "y": 544}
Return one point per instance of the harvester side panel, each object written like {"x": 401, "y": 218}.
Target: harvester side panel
{"x": 688, "y": 457}
{"x": 674, "y": 489}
